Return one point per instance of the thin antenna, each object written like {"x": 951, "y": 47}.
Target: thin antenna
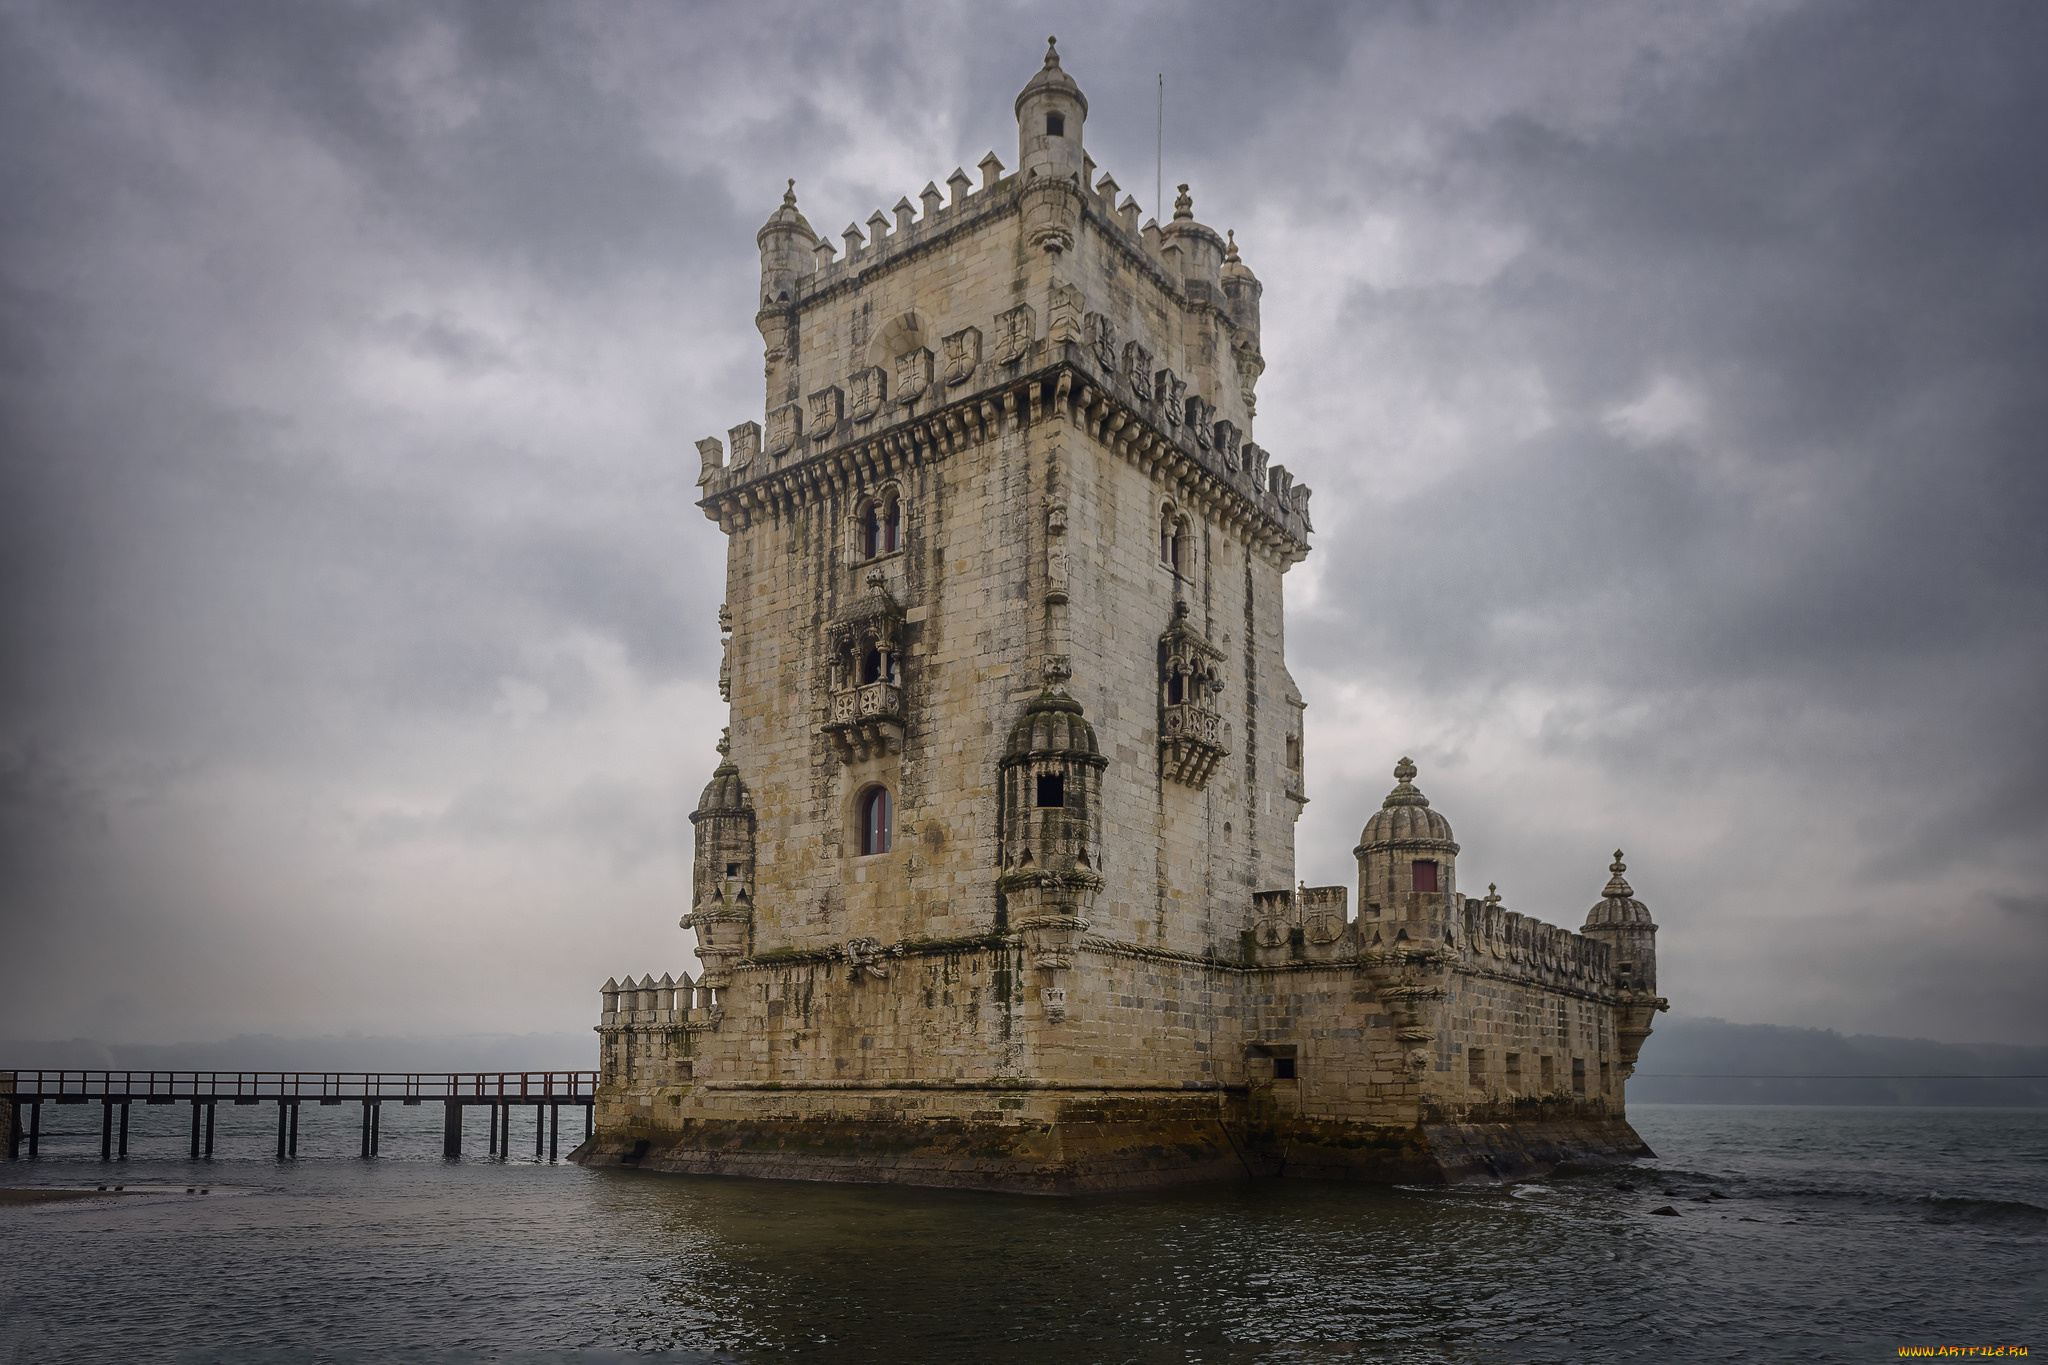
{"x": 1159, "y": 150}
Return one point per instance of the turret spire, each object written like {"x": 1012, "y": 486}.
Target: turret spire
{"x": 1617, "y": 885}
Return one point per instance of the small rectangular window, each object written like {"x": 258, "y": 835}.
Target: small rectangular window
{"x": 1604, "y": 1080}
{"x": 1514, "y": 1060}
{"x": 1578, "y": 1075}
{"x": 1549, "y": 1073}
{"x": 1052, "y": 790}
{"x": 1425, "y": 874}
{"x": 1475, "y": 1063}
{"x": 1283, "y": 1068}
{"x": 1055, "y": 125}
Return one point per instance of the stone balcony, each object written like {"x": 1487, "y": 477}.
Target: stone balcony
{"x": 1190, "y": 743}
{"x": 866, "y": 721}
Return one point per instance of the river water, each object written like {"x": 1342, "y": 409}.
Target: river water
{"x": 1801, "y": 1234}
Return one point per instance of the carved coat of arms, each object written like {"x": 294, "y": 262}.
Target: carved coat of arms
{"x": 828, "y": 407}
{"x": 1224, "y": 436}
{"x": 963, "y": 355}
{"x": 913, "y": 375}
{"x": 1102, "y": 334}
{"x": 1138, "y": 370}
{"x": 746, "y": 444}
{"x": 785, "y": 429}
{"x": 1015, "y": 331}
{"x": 1173, "y": 393}
{"x": 1198, "y": 420}
{"x": 868, "y": 388}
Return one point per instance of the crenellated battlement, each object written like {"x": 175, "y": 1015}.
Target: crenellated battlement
{"x": 1501, "y": 940}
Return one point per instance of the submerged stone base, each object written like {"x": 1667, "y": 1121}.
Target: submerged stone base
{"x": 1079, "y": 1144}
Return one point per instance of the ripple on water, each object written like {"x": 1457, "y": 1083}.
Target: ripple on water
{"x": 1824, "y": 1242}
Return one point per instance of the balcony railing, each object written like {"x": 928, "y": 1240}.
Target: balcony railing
{"x": 1188, "y": 721}
{"x": 868, "y": 699}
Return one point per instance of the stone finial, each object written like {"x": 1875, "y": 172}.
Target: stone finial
{"x": 906, "y": 213}
{"x": 725, "y": 742}
{"x": 851, "y": 232}
{"x": 878, "y": 228}
{"x": 1106, "y": 191}
{"x": 991, "y": 170}
{"x": 932, "y": 199}
{"x": 1230, "y": 256}
{"x": 1617, "y": 885}
{"x": 958, "y": 182}
{"x": 1183, "y": 205}
{"x": 789, "y": 195}
{"x": 1405, "y": 792}
{"x": 1492, "y": 896}
{"x": 1052, "y": 53}
{"x": 824, "y": 251}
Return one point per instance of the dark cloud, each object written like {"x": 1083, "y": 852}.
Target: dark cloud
{"x": 1668, "y": 377}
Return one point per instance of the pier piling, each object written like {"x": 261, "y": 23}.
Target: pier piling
{"x": 554, "y": 1132}
{"x": 209, "y": 1129}
{"x": 451, "y": 1129}
{"x": 106, "y": 1130}
{"x": 196, "y": 1102}
{"x": 282, "y": 1105}
{"x": 124, "y": 1130}
{"x": 292, "y": 1149}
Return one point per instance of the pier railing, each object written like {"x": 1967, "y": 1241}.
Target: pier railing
{"x": 469, "y": 1086}
{"x": 546, "y": 1092}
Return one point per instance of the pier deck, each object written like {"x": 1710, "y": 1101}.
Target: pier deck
{"x": 25, "y": 1093}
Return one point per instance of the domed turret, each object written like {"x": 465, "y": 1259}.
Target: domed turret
{"x": 1623, "y": 923}
{"x": 1241, "y": 290}
{"x": 724, "y": 872}
{"x": 1052, "y": 726}
{"x": 1405, "y": 849}
{"x": 788, "y": 249}
{"x": 1050, "y": 112}
{"x": 1051, "y": 784}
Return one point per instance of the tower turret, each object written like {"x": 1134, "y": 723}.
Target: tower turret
{"x": 1623, "y": 923}
{"x": 722, "y": 895}
{"x": 1241, "y": 291}
{"x": 788, "y": 250}
{"x": 1050, "y": 112}
{"x": 1051, "y": 782}
{"x": 1407, "y": 861}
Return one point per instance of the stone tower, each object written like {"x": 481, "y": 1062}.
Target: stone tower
{"x": 995, "y": 879}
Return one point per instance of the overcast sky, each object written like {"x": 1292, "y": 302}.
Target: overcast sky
{"x": 1673, "y": 381}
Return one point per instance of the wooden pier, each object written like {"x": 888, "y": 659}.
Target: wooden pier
{"x": 547, "y": 1093}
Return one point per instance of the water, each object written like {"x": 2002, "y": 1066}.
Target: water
{"x": 1842, "y": 1234}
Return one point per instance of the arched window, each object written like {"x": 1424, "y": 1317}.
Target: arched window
{"x": 1173, "y": 541}
{"x": 870, "y": 533}
{"x": 874, "y": 821}
{"x": 1176, "y": 688}
{"x": 881, "y": 527}
{"x": 871, "y": 666}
